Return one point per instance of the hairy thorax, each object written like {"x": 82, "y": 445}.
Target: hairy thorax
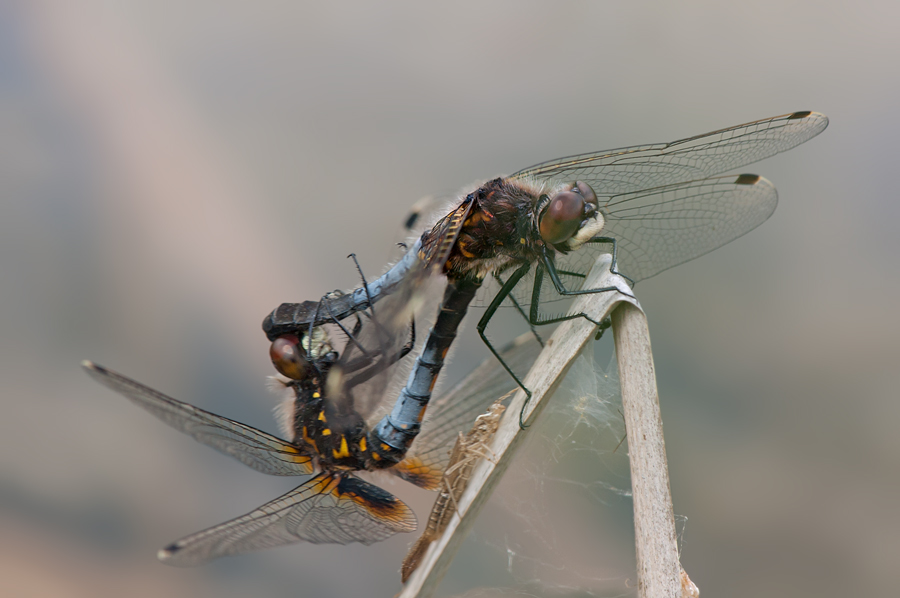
{"x": 498, "y": 232}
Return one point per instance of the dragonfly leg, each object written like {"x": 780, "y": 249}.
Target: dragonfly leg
{"x": 521, "y": 311}
{"x": 547, "y": 265}
{"x": 535, "y": 316}
{"x": 614, "y": 265}
{"x": 605, "y": 323}
{"x": 358, "y": 326}
{"x": 550, "y": 268}
{"x": 384, "y": 363}
{"x": 482, "y": 325}
{"x": 350, "y": 335}
{"x": 364, "y": 283}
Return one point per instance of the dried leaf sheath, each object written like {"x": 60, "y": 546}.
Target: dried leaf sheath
{"x": 465, "y": 453}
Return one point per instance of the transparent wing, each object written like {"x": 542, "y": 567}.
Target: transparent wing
{"x": 630, "y": 169}
{"x": 254, "y": 448}
{"x": 660, "y": 203}
{"x": 373, "y": 354}
{"x": 381, "y": 338}
{"x": 326, "y": 509}
{"x": 455, "y": 411}
{"x": 425, "y": 213}
{"x": 657, "y": 229}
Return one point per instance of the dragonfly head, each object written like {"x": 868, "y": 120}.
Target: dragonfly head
{"x": 570, "y": 217}
{"x": 301, "y": 359}
{"x": 289, "y": 358}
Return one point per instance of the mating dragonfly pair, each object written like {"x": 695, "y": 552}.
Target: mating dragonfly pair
{"x": 525, "y": 240}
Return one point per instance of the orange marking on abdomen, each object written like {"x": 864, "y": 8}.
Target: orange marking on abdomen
{"x": 308, "y": 440}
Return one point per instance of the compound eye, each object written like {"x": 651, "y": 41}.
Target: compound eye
{"x": 586, "y": 192}
{"x": 562, "y": 217}
{"x": 288, "y": 357}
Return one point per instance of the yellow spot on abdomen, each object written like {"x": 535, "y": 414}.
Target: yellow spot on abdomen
{"x": 344, "y": 452}
{"x": 362, "y": 444}
{"x": 322, "y": 416}
{"x": 326, "y": 432}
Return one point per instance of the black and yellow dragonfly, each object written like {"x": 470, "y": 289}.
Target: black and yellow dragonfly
{"x": 333, "y": 505}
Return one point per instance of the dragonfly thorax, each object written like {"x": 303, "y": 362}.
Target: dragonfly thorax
{"x": 512, "y": 222}
{"x": 498, "y": 230}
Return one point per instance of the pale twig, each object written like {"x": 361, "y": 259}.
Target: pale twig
{"x": 659, "y": 572}
{"x": 465, "y": 453}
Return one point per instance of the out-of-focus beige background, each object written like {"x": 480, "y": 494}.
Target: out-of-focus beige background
{"x": 171, "y": 171}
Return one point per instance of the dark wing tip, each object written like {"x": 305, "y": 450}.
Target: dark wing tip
{"x": 819, "y": 120}
{"x": 380, "y": 504}
{"x": 747, "y": 179}
{"x": 411, "y": 220}
{"x": 419, "y": 210}
{"x": 419, "y": 473}
{"x": 96, "y": 371}
{"x": 169, "y": 554}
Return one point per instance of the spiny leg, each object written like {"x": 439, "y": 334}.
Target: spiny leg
{"x": 350, "y": 336}
{"x": 507, "y": 288}
{"x": 535, "y": 316}
{"x": 364, "y": 283}
{"x": 371, "y": 308}
{"x": 614, "y": 264}
{"x": 521, "y": 311}
{"x": 385, "y": 363}
{"x": 547, "y": 265}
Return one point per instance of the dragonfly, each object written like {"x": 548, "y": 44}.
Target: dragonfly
{"x": 529, "y": 239}
{"x": 328, "y": 442}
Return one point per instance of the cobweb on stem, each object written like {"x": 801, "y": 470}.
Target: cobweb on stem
{"x": 560, "y": 523}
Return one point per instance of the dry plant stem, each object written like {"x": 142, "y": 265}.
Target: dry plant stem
{"x": 465, "y": 454}
{"x": 546, "y": 374}
{"x": 659, "y": 571}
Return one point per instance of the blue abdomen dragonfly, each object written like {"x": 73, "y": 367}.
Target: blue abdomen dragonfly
{"x": 529, "y": 239}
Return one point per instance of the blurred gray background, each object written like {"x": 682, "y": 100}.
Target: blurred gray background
{"x": 171, "y": 171}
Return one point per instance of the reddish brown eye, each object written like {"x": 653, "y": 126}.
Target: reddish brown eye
{"x": 288, "y": 357}
{"x": 562, "y": 217}
{"x": 586, "y": 192}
